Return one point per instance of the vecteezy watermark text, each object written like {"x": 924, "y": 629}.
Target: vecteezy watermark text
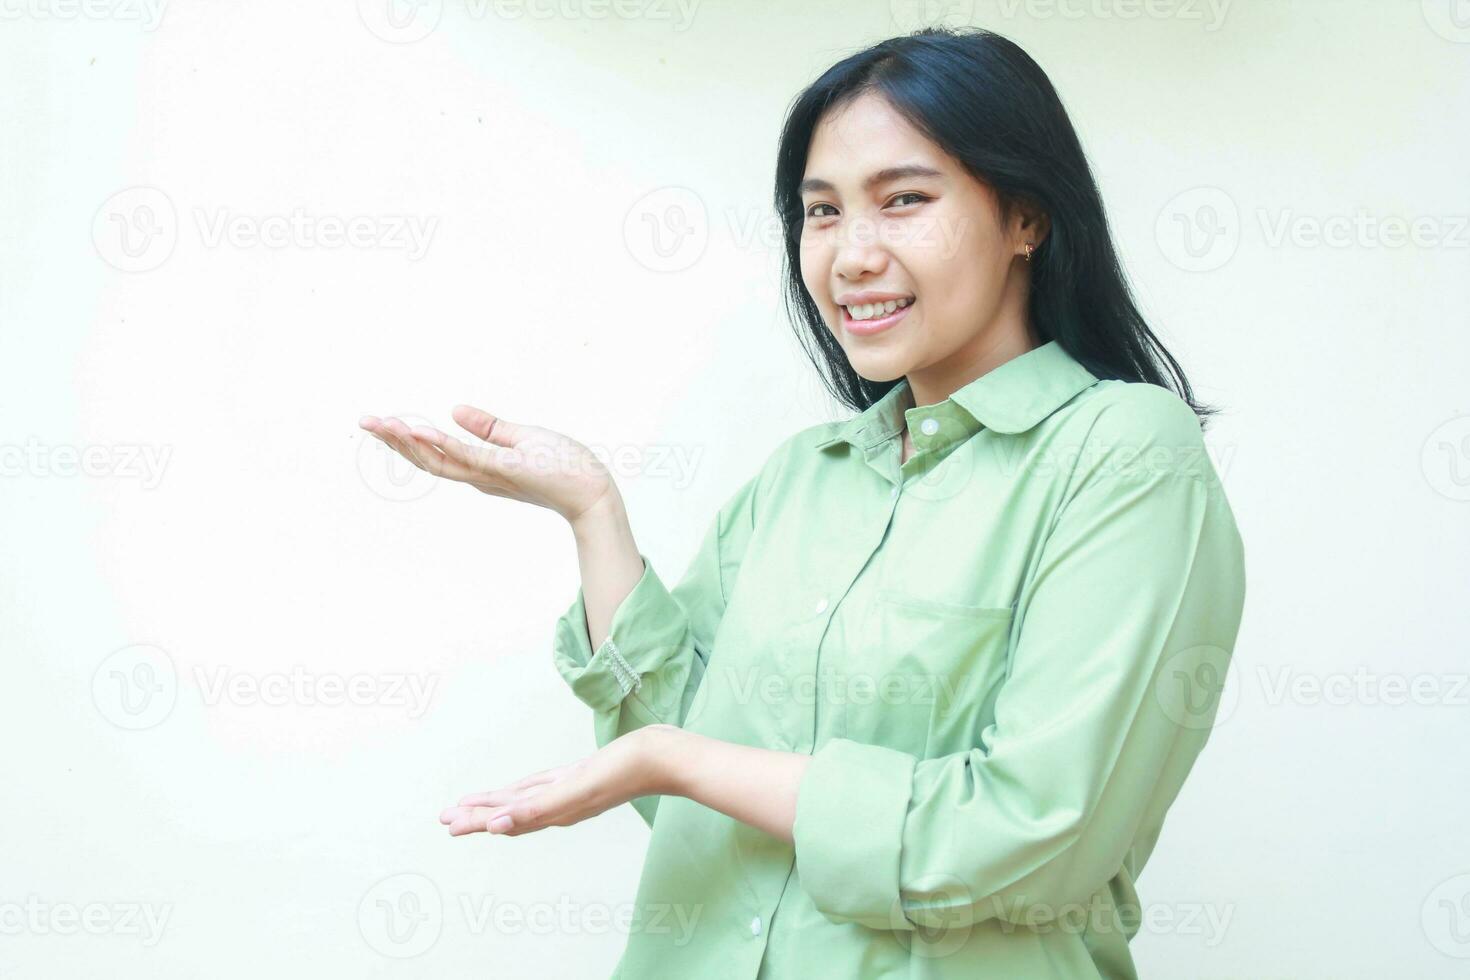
{"x": 36, "y": 917}
{"x": 137, "y": 229}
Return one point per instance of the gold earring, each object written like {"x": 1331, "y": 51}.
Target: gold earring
{"x": 1029, "y": 247}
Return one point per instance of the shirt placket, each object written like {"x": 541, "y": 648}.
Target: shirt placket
{"x": 882, "y": 456}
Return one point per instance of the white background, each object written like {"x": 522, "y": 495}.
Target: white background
{"x": 183, "y": 468}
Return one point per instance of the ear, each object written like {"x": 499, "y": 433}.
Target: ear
{"x": 1029, "y": 223}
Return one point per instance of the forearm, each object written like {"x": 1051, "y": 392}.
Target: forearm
{"x": 755, "y": 786}
{"x": 610, "y": 563}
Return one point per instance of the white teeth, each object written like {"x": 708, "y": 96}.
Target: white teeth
{"x": 867, "y": 311}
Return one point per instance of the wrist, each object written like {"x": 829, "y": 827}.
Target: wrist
{"x": 671, "y": 756}
{"x": 603, "y": 517}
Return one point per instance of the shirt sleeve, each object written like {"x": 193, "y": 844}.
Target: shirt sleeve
{"x": 1135, "y": 603}
{"x": 658, "y": 644}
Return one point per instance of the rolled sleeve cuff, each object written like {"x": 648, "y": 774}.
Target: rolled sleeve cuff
{"x": 646, "y": 628}
{"x": 848, "y": 833}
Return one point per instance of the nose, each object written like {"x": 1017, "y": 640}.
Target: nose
{"x": 859, "y": 254}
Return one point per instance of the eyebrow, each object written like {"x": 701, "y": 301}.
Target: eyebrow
{"x": 888, "y": 175}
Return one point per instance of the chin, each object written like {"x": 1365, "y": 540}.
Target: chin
{"x": 878, "y": 367}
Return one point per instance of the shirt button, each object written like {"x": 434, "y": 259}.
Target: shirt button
{"x": 893, "y": 492}
{"x": 929, "y": 426}
{"x": 755, "y": 926}
{"x": 821, "y": 608}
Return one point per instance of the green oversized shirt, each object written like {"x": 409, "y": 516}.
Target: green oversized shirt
{"x": 1003, "y": 656}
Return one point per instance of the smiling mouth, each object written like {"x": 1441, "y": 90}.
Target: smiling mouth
{"x": 876, "y": 324}
{"x": 860, "y": 312}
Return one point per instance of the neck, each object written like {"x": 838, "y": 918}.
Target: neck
{"x": 986, "y": 352}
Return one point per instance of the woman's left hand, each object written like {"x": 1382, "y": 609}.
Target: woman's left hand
{"x": 629, "y": 766}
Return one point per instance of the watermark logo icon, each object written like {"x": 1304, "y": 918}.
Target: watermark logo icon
{"x": 1446, "y": 459}
{"x": 910, "y": 15}
{"x": 136, "y": 229}
{"x": 1191, "y": 687}
{"x": 136, "y": 687}
{"x": 401, "y": 916}
{"x": 401, "y": 21}
{"x": 943, "y": 927}
{"x": 1199, "y": 229}
{"x": 1450, "y": 19}
{"x": 387, "y": 473}
{"x": 667, "y": 230}
{"x": 1445, "y": 917}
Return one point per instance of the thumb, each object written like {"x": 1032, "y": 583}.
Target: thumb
{"x": 491, "y": 428}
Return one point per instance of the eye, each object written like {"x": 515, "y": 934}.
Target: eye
{"x": 913, "y": 194}
{"x": 809, "y": 210}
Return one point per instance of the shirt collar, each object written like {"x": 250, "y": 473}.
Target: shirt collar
{"x": 1012, "y": 398}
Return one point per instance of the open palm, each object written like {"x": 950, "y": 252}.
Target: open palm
{"x": 506, "y": 459}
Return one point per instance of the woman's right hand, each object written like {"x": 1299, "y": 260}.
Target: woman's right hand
{"x": 522, "y": 462}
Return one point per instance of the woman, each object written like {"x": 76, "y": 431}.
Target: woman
{"x": 922, "y": 698}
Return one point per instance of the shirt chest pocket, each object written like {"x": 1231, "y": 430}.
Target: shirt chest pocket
{"x": 922, "y": 674}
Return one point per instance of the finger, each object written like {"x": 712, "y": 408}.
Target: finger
{"x": 469, "y": 820}
{"x": 483, "y": 458}
{"x": 490, "y": 428}
{"x": 399, "y": 446}
{"x": 430, "y": 460}
{"x": 499, "y": 797}
{"x": 452, "y": 814}
{"x": 556, "y": 805}
{"x": 423, "y": 455}
{"x": 491, "y": 461}
{"x": 477, "y": 811}
{"x": 398, "y": 435}
{"x": 441, "y": 465}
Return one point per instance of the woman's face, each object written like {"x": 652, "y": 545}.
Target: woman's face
{"x": 892, "y": 217}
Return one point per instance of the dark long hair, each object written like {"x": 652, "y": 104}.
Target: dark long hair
{"x": 985, "y": 102}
